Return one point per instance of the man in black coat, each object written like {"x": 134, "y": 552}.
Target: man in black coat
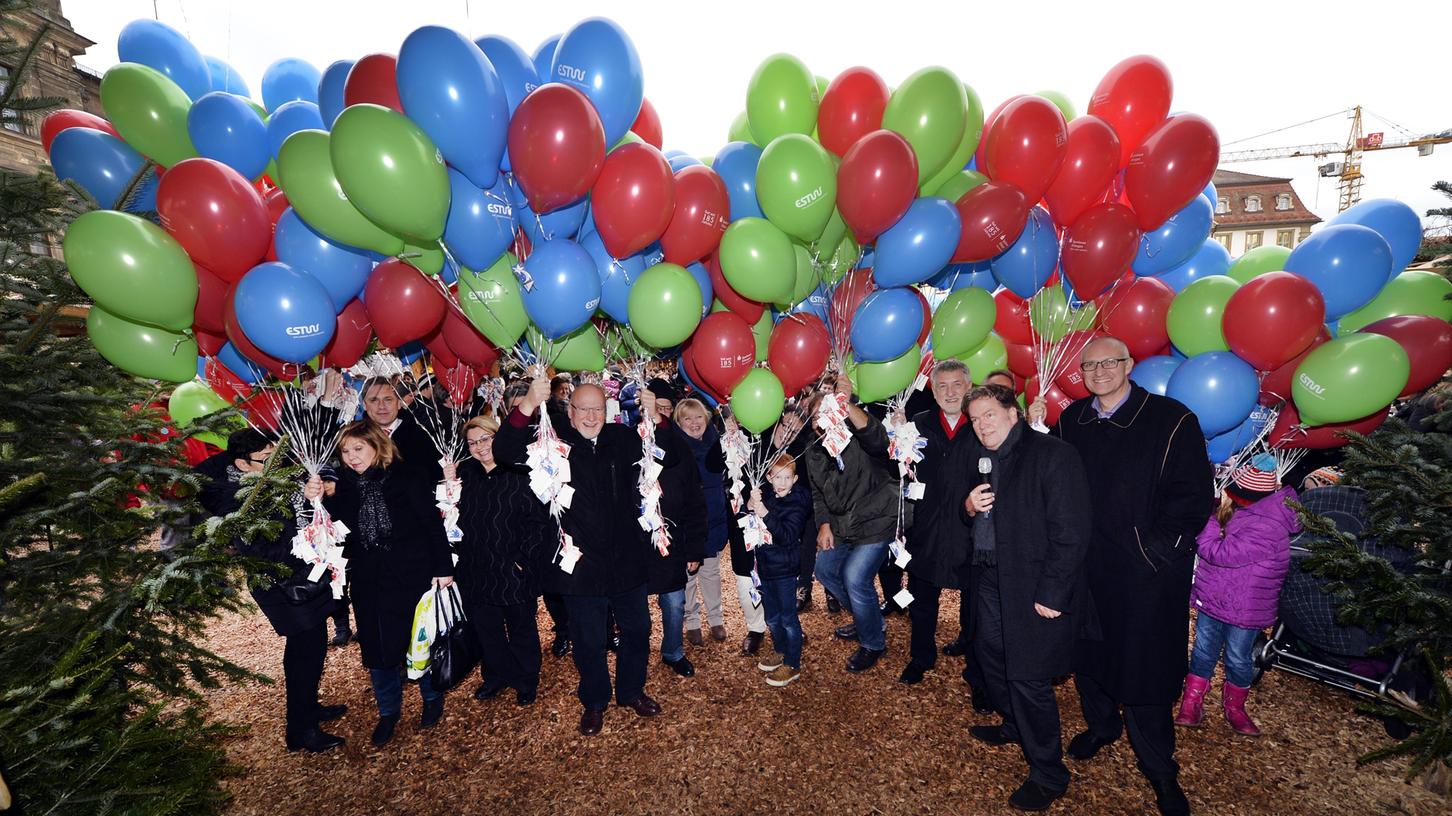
{"x": 1030, "y": 535}
{"x": 613, "y": 551}
{"x": 683, "y": 504}
{"x": 1152, "y": 492}
{"x": 383, "y": 407}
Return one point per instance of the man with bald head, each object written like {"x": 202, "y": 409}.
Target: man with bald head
{"x": 614, "y": 551}
{"x": 1152, "y": 488}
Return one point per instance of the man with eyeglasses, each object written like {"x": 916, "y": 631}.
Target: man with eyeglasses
{"x": 1152, "y": 490}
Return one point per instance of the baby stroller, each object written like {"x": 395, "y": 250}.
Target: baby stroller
{"x": 1307, "y": 639}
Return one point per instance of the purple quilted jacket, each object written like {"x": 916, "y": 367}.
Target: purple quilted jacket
{"x": 1241, "y": 567}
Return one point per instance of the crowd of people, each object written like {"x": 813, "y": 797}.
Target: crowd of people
{"x": 1073, "y": 551}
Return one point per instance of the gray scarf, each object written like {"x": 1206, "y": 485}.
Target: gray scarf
{"x": 375, "y": 525}
{"x": 985, "y": 539}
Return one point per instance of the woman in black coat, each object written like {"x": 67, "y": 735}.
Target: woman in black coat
{"x": 683, "y": 507}
{"x": 395, "y": 549}
{"x": 503, "y": 551}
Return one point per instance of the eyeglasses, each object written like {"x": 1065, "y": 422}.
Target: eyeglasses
{"x": 587, "y": 411}
{"x": 1111, "y": 364}
{"x": 480, "y": 442}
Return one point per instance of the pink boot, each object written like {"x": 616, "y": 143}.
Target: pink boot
{"x": 1233, "y": 697}
{"x": 1192, "y": 703}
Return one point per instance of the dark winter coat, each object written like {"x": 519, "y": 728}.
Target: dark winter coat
{"x": 785, "y": 518}
{"x": 1244, "y": 562}
{"x": 711, "y": 468}
{"x": 386, "y": 581}
{"x": 1152, "y": 489}
{"x": 417, "y": 453}
{"x": 939, "y": 540}
{"x": 506, "y": 544}
{"x": 683, "y": 504}
{"x": 861, "y": 500}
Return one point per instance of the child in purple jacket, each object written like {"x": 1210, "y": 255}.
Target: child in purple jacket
{"x": 1245, "y": 550}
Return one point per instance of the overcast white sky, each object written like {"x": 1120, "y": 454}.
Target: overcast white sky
{"x": 1249, "y": 67}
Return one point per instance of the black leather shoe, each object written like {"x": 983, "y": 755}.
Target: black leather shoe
{"x": 591, "y": 719}
{"x": 804, "y": 599}
{"x": 958, "y": 647}
{"x": 683, "y": 667}
{"x": 315, "y": 741}
{"x": 1169, "y": 798}
{"x": 643, "y": 706}
{"x": 332, "y": 712}
{"x": 848, "y": 632}
{"x": 433, "y": 711}
{"x": 751, "y": 644}
{"x": 525, "y": 697}
{"x": 383, "y": 732}
{"x": 561, "y": 646}
{"x": 912, "y": 673}
{"x": 989, "y": 734}
{"x": 489, "y": 690}
{"x": 1085, "y": 745}
{"x": 864, "y": 659}
{"x": 833, "y": 605}
{"x": 1033, "y": 797}
{"x": 980, "y": 701}
{"x": 341, "y": 637}
{"x": 890, "y": 607}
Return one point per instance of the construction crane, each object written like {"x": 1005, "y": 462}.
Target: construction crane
{"x": 1347, "y": 171}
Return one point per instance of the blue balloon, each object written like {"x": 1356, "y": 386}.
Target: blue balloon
{"x": 1032, "y": 259}
{"x": 597, "y": 58}
{"x": 919, "y": 245}
{"x": 962, "y": 275}
{"x": 449, "y": 272}
{"x": 565, "y": 222}
{"x": 343, "y": 270}
{"x": 285, "y": 312}
{"x": 225, "y": 78}
{"x": 100, "y": 163}
{"x": 736, "y": 165}
{"x": 224, "y": 127}
{"x": 330, "y": 91}
{"x": 480, "y": 226}
{"x": 289, "y": 119}
{"x": 703, "y": 280}
{"x": 1211, "y": 194}
{"x": 564, "y": 288}
{"x": 1221, "y": 448}
{"x": 145, "y": 199}
{"x": 158, "y": 45}
{"x": 1153, "y": 373}
{"x": 1211, "y": 258}
{"x": 289, "y": 79}
{"x": 409, "y": 352}
{"x": 653, "y": 254}
{"x": 243, "y": 368}
{"x": 886, "y": 325}
{"x": 616, "y": 276}
{"x": 1176, "y": 239}
{"x": 544, "y": 58}
{"x": 1395, "y": 222}
{"x": 515, "y": 70}
{"x": 818, "y": 303}
{"x": 450, "y": 90}
{"x": 681, "y": 162}
{"x": 1220, "y": 388}
{"x": 869, "y": 257}
{"x": 1349, "y": 263}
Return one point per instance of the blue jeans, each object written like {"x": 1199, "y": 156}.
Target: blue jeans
{"x": 672, "y": 624}
{"x": 388, "y": 690}
{"x": 848, "y": 572}
{"x": 779, "y": 602}
{"x": 1211, "y": 636}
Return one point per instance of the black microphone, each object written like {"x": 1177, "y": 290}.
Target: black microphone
{"x": 985, "y": 467}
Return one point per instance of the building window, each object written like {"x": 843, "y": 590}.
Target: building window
{"x": 1252, "y": 203}
{"x": 1283, "y": 201}
{"x": 1223, "y": 238}
{"x": 1222, "y": 205}
{"x": 1286, "y": 238}
{"x": 1253, "y": 240}
{"x": 12, "y": 119}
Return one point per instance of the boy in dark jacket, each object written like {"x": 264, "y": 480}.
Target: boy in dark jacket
{"x": 784, "y": 510}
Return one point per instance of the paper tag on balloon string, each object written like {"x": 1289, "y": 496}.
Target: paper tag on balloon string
{"x": 903, "y": 598}
{"x": 916, "y": 491}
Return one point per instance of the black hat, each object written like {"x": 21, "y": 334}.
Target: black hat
{"x": 662, "y": 389}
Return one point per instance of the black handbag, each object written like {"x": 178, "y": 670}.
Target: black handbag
{"x": 299, "y": 591}
{"x": 455, "y": 651}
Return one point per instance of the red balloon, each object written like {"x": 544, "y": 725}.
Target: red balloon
{"x": 1272, "y": 318}
{"x": 1135, "y": 313}
{"x": 403, "y": 305}
{"x": 980, "y": 156}
{"x": 1027, "y": 145}
{"x": 1011, "y": 321}
{"x": 459, "y": 381}
{"x": 993, "y": 215}
{"x": 846, "y": 297}
{"x": 1174, "y": 164}
{"x": 688, "y": 362}
{"x": 1055, "y": 400}
{"x": 1428, "y": 343}
{"x": 278, "y": 368}
{"x": 216, "y": 215}
{"x": 748, "y": 310}
{"x": 633, "y": 199}
{"x": 211, "y": 308}
{"x": 724, "y": 350}
{"x": 798, "y": 350}
{"x": 702, "y": 213}
{"x": 1098, "y": 249}
{"x": 1133, "y": 98}
{"x": 647, "y": 125}
{"x": 373, "y": 79}
{"x": 1071, "y": 382}
{"x": 851, "y": 108}
{"x": 1091, "y": 160}
{"x": 350, "y": 339}
{"x": 1066, "y": 355}
{"x": 276, "y": 203}
{"x": 1288, "y": 432}
{"x": 927, "y": 316}
{"x": 65, "y": 119}
{"x": 1021, "y": 360}
{"x": 556, "y": 146}
{"x": 209, "y": 344}
{"x": 439, "y": 352}
{"x": 467, "y": 343}
{"x": 1275, "y": 386}
{"x": 876, "y": 183}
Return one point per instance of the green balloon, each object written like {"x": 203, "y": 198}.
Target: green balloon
{"x": 493, "y": 302}
{"x": 1051, "y": 317}
{"x": 757, "y": 260}
{"x": 628, "y": 138}
{"x": 781, "y": 98}
{"x": 761, "y": 333}
{"x": 1350, "y": 377}
{"x": 967, "y": 145}
{"x": 664, "y": 305}
{"x": 149, "y": 111}
{"x": 146, "y": 351}
{"x": 841, "y": 261}
{"x": 1259, "y": 261}
{"x": 427, "y": 259}
{"x": 391, "y": 171}
{"x": 132, "y": 268}
{"x": 806, "y": 280}
{"x": 718, "y": 306}
{"x": 625, "y": 345}
{"x": 305, "y": 173}
{"x": 1195, "y": 315}
{"x": 990, "y": 356}
{"x": 874, "y": 382}
{"x": 796, "y": 185}
{"x": 577, "y": 351}
{"x": 192, "y": 400}
{"x": 963, "y": 321}
{"x": 740, "y": 130}
{"x": 959, "y": 183}
{"x": 1410, "y": 293}
{"x": 757, "y": 400}
{"x": 930, "y": 110}
{"x": 836, "y": 228}
{"x": 1061, "y": 101}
